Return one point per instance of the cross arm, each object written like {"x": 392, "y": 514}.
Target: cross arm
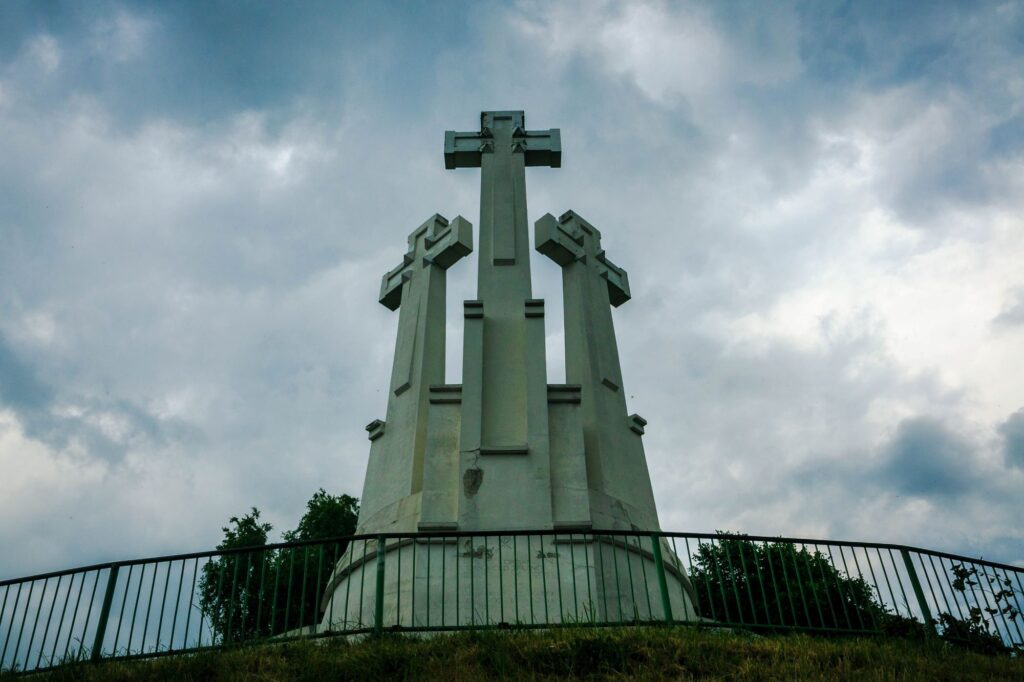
{"x": 565, "y": 241}
{"x": 539, "y": 147}
{"x": 436, "y": 242}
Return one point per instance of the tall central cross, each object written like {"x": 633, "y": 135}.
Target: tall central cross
{"x": 504, "y": 392}
{"x": 502, "y": 149}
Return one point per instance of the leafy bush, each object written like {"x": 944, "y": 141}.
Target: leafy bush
{"x": 264, "y": 592}
{"x": 776, "y": 584}
{"x": 977, "y": 630}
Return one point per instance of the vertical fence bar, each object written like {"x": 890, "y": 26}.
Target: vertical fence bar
{"x": 721, "y": 582}
{"x": 458, "y": 592}
{"x": 915, "y": 584}
{"x": 302, "y": 594}
{"x": 727, "y": 545}
{"x": 32, "y": 639}
{"x": 860, "y": 575}
{"x": 629, "y": 573}
{"x": 600, "y": 544}
{"x": 589, "y": 560}
{"x": 643, "y": 570}
{"x": 572, "y": 561}
{"x": 819, "y": 559}
{"x": 101, "y": 627}
{"x": 775, "y": 584}
{"x": 177, "y": 603}
{"x": 60, "y": 625}
{"x": 515, "y": 573}
{"x": 1016, "y": 606}
{"x": 149, "y": 608}
{"x": 74, "y": 618}
{"x": 618, "y": 580}
{"x": 288, "y": 596}
{"x": 3, "y": 608}
{"x": 760, "y": 579}
{"x": 487, "y": 583}
{"x": 49, "y": 619}
{"x": 992, "y": 607}
{"x": 444, "y": 577}
{"x": 885, "y": 574}
{"x": 959, "y": 611}
{"x": 746, "y": 580}
{"x": 799, "y": 584}
{"x": 529, "y": 576}
{"x": 501, "y": 582}
{"x": 88, "y": 614}
{"x": 430, "y": 549}
{"x": 244, "y": 611}
{"x": 163, "y": 605}
{"x": 839, "y": 587}
{"x": 412, "y": 597}
{"x": 336, "y": 557}
{"x": 814, "y": 590}
{"x": 558, "y": 577}
{"x": 942, "y": 591}
{"x": 191, "y": 595}
{"x": 378, "y": 610}
{"x": 544, "y": 579}
{"x": 316, "y": 595}
{"x": 469, "y": 553}
{"x": 24, "y": 619}
{"x": 659, "y": 567}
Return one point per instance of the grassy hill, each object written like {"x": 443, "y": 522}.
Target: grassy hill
{"x": 614, "y": 654}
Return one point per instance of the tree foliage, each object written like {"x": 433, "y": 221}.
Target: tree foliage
{"x": 777, "y": 585}
{"x": 741, "y": 582}
{"x": 252, "y": 591}
{"x": 987, "y": 598}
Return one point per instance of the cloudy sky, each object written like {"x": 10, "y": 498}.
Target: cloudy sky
{"x": 821, "y": 208}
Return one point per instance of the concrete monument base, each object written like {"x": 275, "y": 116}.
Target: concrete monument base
{"x": 443, "y": 583}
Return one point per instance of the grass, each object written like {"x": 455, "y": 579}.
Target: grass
{"x": 571, "y": 653}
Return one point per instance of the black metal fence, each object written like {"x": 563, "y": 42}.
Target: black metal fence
{"x": 437, "y": 582}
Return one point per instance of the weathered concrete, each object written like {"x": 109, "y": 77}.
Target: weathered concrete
{"x": 447, "y": 582}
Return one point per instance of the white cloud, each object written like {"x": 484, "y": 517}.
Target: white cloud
{"x": 45, "y": 51}
{"x": 667, "y": 50}
{"x": 123, "y": 36}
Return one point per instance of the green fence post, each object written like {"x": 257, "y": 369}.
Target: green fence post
{"x": 918, "y": 592}
{"x": 378, "y": 611}
{"x": 659, "y": 566}
{"x": 101, "y": 626}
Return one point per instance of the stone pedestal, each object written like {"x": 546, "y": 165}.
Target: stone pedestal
{"x": 442, "y": 583}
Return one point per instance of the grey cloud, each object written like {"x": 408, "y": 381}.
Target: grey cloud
{"x": 19, "y": 386}
{"x": 1012, "y": 314}
{"x": 927, "y": 458}
{"x": 1012, "y": 432}
{"x": 104, "y": 426}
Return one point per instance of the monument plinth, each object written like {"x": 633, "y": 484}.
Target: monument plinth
{"x": 504, "y": 450}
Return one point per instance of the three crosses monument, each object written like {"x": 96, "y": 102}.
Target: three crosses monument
{"x": 504, "y": 450}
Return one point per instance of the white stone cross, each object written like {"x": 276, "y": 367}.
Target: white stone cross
{"x": 591, "y": 284}
{"x": 416, "y": 287}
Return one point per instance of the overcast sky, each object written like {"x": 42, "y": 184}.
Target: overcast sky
{"x": 821, "y": 209}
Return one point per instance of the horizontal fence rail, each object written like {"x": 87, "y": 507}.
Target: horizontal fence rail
{"x": 523, "y": 579}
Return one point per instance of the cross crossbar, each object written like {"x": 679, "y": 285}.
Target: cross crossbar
{"x": 539, "y": 147}
{"x": 570, "y": 239}
{"x": 435, "y": 242}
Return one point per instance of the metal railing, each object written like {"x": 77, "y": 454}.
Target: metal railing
{"x": 525, "y": 579}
